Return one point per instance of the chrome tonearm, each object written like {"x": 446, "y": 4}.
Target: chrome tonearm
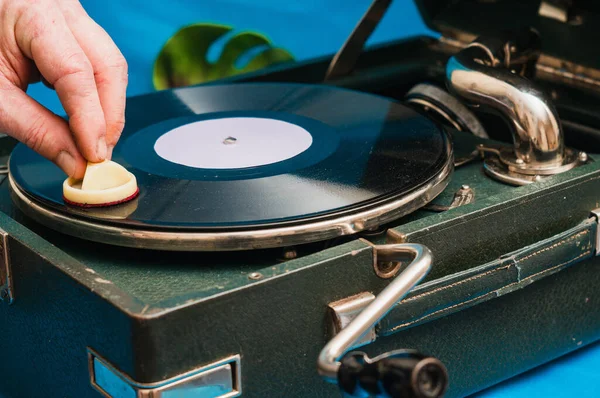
{"x": 483, "y": 75}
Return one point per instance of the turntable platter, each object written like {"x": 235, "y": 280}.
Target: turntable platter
{"x": 230, "y": 167}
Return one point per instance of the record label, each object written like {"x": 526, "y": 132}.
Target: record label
{"x": 232, "y": 143}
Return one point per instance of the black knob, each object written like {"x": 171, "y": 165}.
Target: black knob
{"x": 400, "y": 374}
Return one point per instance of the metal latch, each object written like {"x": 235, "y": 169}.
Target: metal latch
{"x": 6, "y": 286}
{"x": 221, "y": 379}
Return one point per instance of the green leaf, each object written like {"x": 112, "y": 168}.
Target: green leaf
{"x": 268, "y": 57}
{"x": 183, "y": 61}
{"x": 238, "y": 45}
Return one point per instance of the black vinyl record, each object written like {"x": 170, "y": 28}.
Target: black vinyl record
{"x": 227, "y": 157}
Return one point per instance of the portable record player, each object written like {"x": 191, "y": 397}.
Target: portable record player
{"x": 416, "y": 219}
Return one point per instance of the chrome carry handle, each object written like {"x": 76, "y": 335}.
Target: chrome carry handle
{"x": 403, "y": 373}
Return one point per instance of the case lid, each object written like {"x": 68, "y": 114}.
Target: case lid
{"x": 569, "y": 29}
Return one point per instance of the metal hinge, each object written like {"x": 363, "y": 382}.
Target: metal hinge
{"x": 6, "y": 287}
{"x": 596, "y": 215}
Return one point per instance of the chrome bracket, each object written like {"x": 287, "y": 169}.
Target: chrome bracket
{"x": 596, "y": 215}
{"x": 500, "y": 163}
{"x": 464, "y": 196}
{"x": 221, "y": 379}
{"x": 344, "y": 311}
{"x": 6, "y": 286}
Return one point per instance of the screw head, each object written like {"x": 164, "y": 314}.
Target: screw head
{"x": 290, "y": 254}
{"x": 229, "y": 140}
{"x": 583, "y": 156}
{"x": 519, "y": 161}
{"x": 255, "y": 276}
{"x": 388, "y": 269}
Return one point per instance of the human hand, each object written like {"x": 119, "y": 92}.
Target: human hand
{"x": 57, "y": 42}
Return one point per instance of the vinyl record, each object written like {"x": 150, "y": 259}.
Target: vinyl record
{"x": 242, "y": 157}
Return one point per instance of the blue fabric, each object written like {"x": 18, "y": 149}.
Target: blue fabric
{"x": 307, "y": 28}
{"x": 574, "y": 375}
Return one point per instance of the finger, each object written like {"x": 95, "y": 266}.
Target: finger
{"x": 43, "y": 36}
{"x": 29, "y": 122}
{"x": 110, "y": 67}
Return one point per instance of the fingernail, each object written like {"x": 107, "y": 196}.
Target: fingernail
{"x": 101, "y": 149}
{"x": 65, "y": 161}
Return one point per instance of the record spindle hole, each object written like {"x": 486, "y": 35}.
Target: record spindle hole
{"x": 229, "y": 140}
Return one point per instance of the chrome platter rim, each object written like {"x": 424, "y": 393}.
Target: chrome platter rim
{"x": 260, "y": 238}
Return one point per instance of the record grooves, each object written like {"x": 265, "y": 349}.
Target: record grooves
{"x": 304, "y": 162}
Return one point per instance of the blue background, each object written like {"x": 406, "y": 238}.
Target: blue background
{"x": 307, "y": 28}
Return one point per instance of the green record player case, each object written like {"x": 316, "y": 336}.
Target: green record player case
{"x": 512, "y": 283}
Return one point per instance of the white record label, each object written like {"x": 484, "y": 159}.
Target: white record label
{"x": 232, "y": 143}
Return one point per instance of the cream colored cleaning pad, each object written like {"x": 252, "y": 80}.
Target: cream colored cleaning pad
{"x": 104, "y": 184}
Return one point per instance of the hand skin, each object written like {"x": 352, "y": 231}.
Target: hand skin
{"x": 55, "y": 41}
